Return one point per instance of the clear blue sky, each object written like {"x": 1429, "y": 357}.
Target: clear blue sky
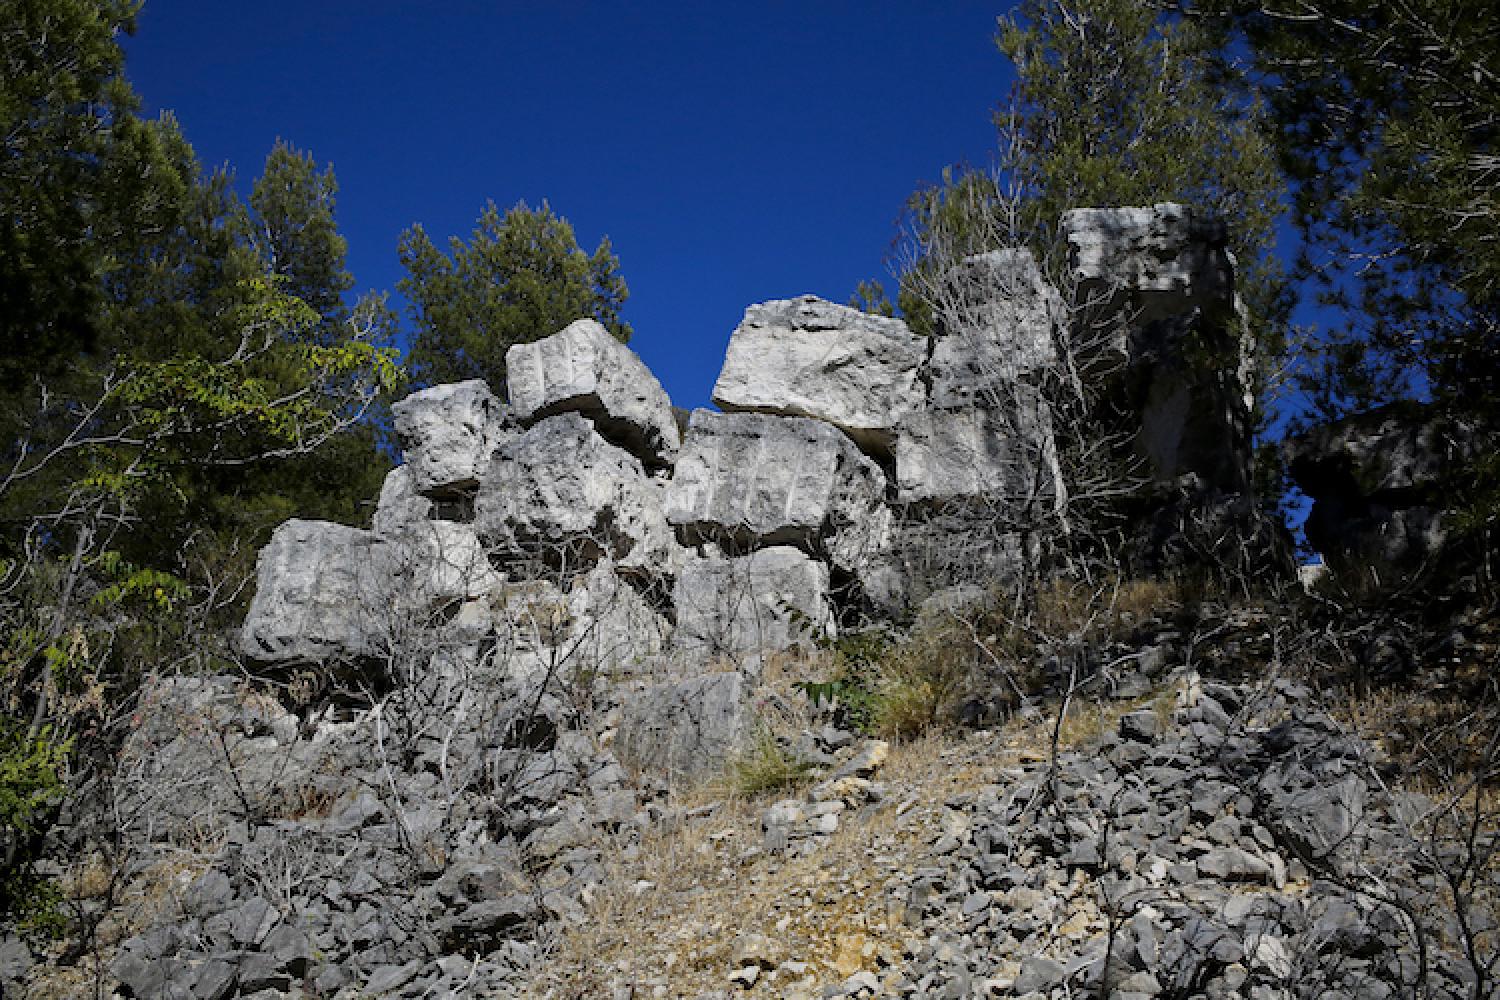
{"x": 732, "y": 152}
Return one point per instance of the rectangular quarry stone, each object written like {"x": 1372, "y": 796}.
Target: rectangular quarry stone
{"x": 684, "y": 728}
{"x": 449, "y": 433}
{"x": 764, "y": 602}
{"x": 1148, "y": 263}
{"x": 999, "y": 325}
{"x": 561, "y": 495}
{"x": 585, "y": 370}
{"x": 326, "y": 591}
{"x": 752, "y": 479}
{"x": 317, "y": 594}
{"x": 808, "y": 357}
{"x": 1004, "y": 455}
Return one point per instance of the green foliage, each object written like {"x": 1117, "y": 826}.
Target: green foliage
{"x": 521, "y": 277}
{"x": 1386, "y": 122}
{"x": 74, "y": 175}
{"x": 297, "y": 236}
{"x": 852, "y": 693}
{"x": 179, "y": 372}
{"x": 31, "y": 782}
{"x": 32, "y": 770}
{"x": 870, "y": 297}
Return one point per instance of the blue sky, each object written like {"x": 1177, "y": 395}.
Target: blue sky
{"x": 732, "y": 153}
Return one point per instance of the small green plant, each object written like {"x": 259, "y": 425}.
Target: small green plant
{"x": 767, "y": 766}
{"x": 851, "y": 692}
{"x": 31, "y": 786}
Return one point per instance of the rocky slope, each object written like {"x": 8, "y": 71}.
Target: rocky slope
{"x": 479, "y": 749}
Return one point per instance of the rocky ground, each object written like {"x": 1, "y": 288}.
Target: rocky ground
{"x": 1210, "y": 839}
{"x": 1162, "y": 859}
{"x": 1192, "y": 832}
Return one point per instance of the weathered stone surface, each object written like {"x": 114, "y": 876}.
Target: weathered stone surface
{"x": 528, "y": 622}
{"x": 763, "y": 602}
{"x": 325, "y": 591}
{"x": 318, "y": 595}
{"x": 934, "y": 548}
{"x": 433, "y": 563}
{"x": 449, "y": 433}
{"x": 1007, "y": 456}
{"x": 1001, "y": 326}
{"x": 614, "y": 630}
{"x": 1381, "y": 483}
{"x": 201, "y": 752}
{"x": 749, "y": 479}
{"x": 1153, "y": 303}
{"x": 583, "y": 369}
{"x": 561, "y": 495}
{"x": 685, "y": 728}
{"x": 400, "y": 504}
{"x": 811, "y": 358}
{"x": 1151, "y": 262}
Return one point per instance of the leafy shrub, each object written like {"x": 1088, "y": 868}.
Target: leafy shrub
{"x": 31, "y": 786}
{"x": 851, "y": 694}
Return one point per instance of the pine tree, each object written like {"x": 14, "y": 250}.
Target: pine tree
{"x": 1387, "y": 117}
{"x": 521, "y": 277}
{"x": 1117, "y": 103}
{"x": 297, "y": 235}
{"x": 81, "y": 175}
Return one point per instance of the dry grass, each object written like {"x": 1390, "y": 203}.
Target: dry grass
{"x": 674, "y": 908}
{"x": 919, "y": 682}
{"x": 676, "y": 903}
{"x": 1434, "y": 742}
{"x": 766, "y": 766}
{"x": 147, "y": 900}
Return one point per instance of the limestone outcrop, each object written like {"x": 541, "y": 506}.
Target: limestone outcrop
{"x": 748, "y": 480}
{"x": 320, "y": 595}
{"x": 856, "y": 469}
{"x": 681, "y": 728}
{"x": 1002, "y": 326}
{"x": 1005, "y": 457}
{"x": 479, "y": 714}
{"x": 807, "y": 357}
{"x": 1153, "y": 303}
{"x": 449, "y": 432}
{"x": 1149, "y": 263}
{"x": 769, "y": 600}
{"x": 582, "y": 369}
{"x": 561, "y": 495}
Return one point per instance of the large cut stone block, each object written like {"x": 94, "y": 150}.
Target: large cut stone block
{"x": 811, "y": 358}
{"x": 764, "y": 602}
{"x": 583, "y": 369}
{"x": 326, "y": 592}
{"x": 1154, "y": 303}
{"x": 563, "y": 496}
{"x": 999, "y": 324}
{"x": 684, "y": 729}
{"x": 400, "y": 505}
{"x": 318, "y": 594}
{"x": 1005, "y": 455}
{"x": 1159, "y": 261}
{"x": 449, "y": 433}
{"x": 615, "y": 630}
{"x": 748, "y": 479}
